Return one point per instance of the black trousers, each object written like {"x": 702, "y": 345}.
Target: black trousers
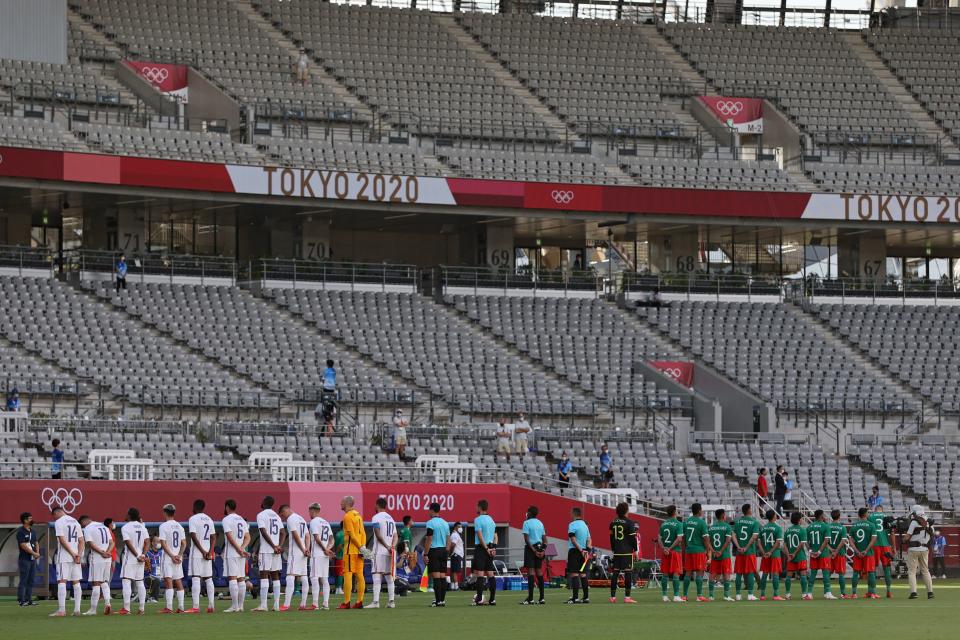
{"x": 28, "y": 572}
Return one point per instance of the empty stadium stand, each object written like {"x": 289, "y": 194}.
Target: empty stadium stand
{"x": 348, "y": 156}
{"x": 871, "y": 177}
{"x": 514, "y": 164}
{"x": 167, "y": 143}
{"x": 928, "y": 467}
{"x": 707, "y": 173}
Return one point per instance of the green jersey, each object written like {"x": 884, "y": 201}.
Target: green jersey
{"x": 338, "y": 543}
{"x": 817, "y": 533}
{"x": 877, "y": 519}
{"x": 670, "y": 530}
{"x": 718, "y": 533}
{"x": 771, "y": 535}
{"x": 861, "y": 532}
{"x": 836, "y": 534}
{"x": 795, "y": 537}
{"x": 693, "y": 531}
{"x": 744, "y": 528}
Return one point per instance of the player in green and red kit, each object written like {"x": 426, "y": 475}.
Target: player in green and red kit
{"x": 746, "y": 530}
{"x": 795, "y": 543}
{"x": 863, "y": 535}
{"x": 818, "y": 537}
{"x": 838, "y": 541}
{"x": 882, "y": 550}
{"x": 671, "y": 541}
{"x": 771, "y": 545}
{"x": 695, "y": 551}
{"x": 720, "y": 535}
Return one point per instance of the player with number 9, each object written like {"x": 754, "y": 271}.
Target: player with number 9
{"x": 863, "y": 534}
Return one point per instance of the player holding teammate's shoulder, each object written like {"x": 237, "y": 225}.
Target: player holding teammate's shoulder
{"x": 671, "y": 541}
{"x": 863, "y": 535}
{"x": 624, "y": 544}
{"x": 578, "y": 557}
{"x": 721, "y": 558}
{"x": 771, "y": 547}
{"x": 384, "y": 554}
{"x": 484, "y": 551}
{"x": 534, "y": 534}
{"x": 883, "y": 549}
{"x": 203, "y": 538}
{"x": 695, "y": 556}
{"x": 746, "y": 530}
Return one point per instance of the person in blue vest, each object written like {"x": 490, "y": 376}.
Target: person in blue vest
{"x": 121, "y": 272}
{"x": 13, "y": 400}
{"x": 329, "y": 377}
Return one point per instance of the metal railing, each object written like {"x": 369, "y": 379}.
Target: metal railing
{"x": 325, "y": 272}
{"x": 477, "y": 278}
{"x": 140, "y": 265}
{"x": 20, "y": 258}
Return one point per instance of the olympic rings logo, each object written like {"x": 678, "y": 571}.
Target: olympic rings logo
{"x": 66, "y": 499}
{"x": 156, "y": 75}
{"x": 729, "y": 108}
{"x": 672, "y": 373}
{"x": 562, "y": 197}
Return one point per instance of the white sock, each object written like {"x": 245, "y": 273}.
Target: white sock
{"x": 264, "y": 592}
{"x": 326, "y": 592}
{"x": 105, "y": 589}
{"x": 288, "y": 596}
{"x": 391, "y": 588}
{"x": 210, "y": 594}
{"x": 62, "y": 596}
{"x": 276, "y": 594}
{"x": 180, "y": 596}
{"x": 233, "y": 594}
{"x": 315, "y": 590}
{"x": 304, "y": 590}
{"x": 168, "y": 597}
{"x": 77, "y": 596}
{"x": 142, "y": 595}
{"x": 195, "y": 591}
{"x": 376, "y": 588}
{"x": 127, "y": 591}
{"x": 94, "y": 597}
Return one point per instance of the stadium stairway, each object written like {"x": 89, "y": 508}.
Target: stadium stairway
{"x": 924, "y": 121}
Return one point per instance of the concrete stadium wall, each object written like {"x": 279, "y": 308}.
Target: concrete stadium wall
{"x": 34, "y": 30}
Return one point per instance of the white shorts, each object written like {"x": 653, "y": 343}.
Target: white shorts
{"x": 100, "y": 570}
{"x": 132, "y": 570}
{"x": 171, "y": 570}
{"x": 382, "y": 563}
{"x": 234, "y": 567}
{"x": 297, "y": 564}
{"x": 200, "y": 567}
{"x": 320, "y": 567}
{"x": 69, "y": 571}
{"x": 270, "y": 562}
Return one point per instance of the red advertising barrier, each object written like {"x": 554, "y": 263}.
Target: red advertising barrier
{"x": 682, "y": 372}
{"x": 743, "y": 114}
{"x": 168, "y": 78}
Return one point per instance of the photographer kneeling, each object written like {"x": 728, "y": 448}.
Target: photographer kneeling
{"x": 919, "y": 533}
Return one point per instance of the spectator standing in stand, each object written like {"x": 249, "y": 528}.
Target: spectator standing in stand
{"x": 763, "y": 488}
{"x": 874, "y": 500}
{"x": 504, "y": 439}
{"x": 564, "y": 467}
{"x": 779, "y": 490}
{"x": 520, "y": 431}
{"x": 56, "y": 460}
{"x": 303, "y": 67}
{"x": 13, "y": 400}
{"x": 120, "y": 270}
{"x": 400, "y": 433}
{"x": 606, "y": 467}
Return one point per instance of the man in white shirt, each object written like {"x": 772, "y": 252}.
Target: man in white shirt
{"x": 520, "y": 431}
{"x": 384, "y": 554}
{"x": 100, "y": 544}
{"x": 203, "y": 539}
{"x": 173, "y": 540}
{"x": 135, "y": 540}
{"x": 456, "y": 556}
{"x": 919, "y": 534}
{"x": 236, "y": 533}
{"x": 272, "y": 534}
{"x": 298, "y": 537}
{"x": 321, "y": 550}
{"x": 504, "y": 438}
{"x": 303, "y": 64}
{"x": 70, "y": 546}
{"x": 400, "y": 433}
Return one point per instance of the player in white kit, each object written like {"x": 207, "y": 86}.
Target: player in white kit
{"x": 135, "y": 540}
{"x": 384, "y": 554}
{"x": 100, "y": 544}
{"x": 271, "y": 546}
{"x": 203, "y": 538}
{"x": 173, "y": 540}
{"x": 321, "y": 550}
{"x": 236, "y": 533}
{"x": 298, "y": 551}
{"x": 70, "y": 545}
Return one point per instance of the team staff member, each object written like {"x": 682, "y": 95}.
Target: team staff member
{"x": 533, "y": 553}
{"x": 623, "y": 543}
{"x": 27, "y": 559}
{"x": 484, "y": 551}
{"x": 354, "y": 542}
{"x": 671, "y": 541}
{"x": 578, "y": 557}
{"x": 437, "y": 543}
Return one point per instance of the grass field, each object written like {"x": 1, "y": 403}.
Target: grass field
{"x": 896, "y": 618}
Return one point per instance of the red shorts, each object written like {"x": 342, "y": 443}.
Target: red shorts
{"x": 672, "y": 564}
{"x": 771, "y": 565}
{"x": 745, "y": 565}
{"x": 695, "y": 561}
{"x": 864, "y": 565}
{"x": 838, "y": 565}
{"x": 800, "y": 565}
{"x": 338, "y": 567}
{"x": 823, "y": 562}
{"x": 721, "y": 567}
{"x": 880, "y": 553}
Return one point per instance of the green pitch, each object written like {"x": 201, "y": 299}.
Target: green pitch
{"x": 897, "y": 618}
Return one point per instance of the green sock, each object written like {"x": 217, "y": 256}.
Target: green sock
{"x": 826, "y": 581}
{"x": 776, "y": 585}
{"x": 872, "y": 582}
{"x": 726, "y": 588}
{"x": 739, "y": 581}
{"x": 676, "y": 586}
{"x": 887, "y": 577}
{"x": 699, "y": 581}
{"x": 843, "y": 584}
{"x": 763, "y": 585}
{"x": 749, "y": 584}
{"x": 788, "y": 586}
{"x": 856, "y": 581}
{"x": 711, "y": 586}
{"x": 664, "y": 583}
{"x": 686, "y": 584}
{"x": 803, "y": 584}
